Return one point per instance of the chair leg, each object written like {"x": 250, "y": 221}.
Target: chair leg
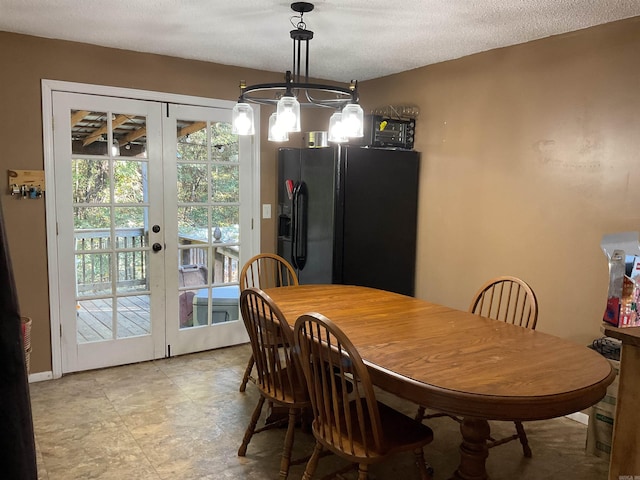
{"x": 426, "y": 470}
{"x": 242, "y": 451}
{"x": 363, "y": 471}
{"x": 312, "y": 464}
{"x": 523, "y": 439}
{"x": 288, "y": 445}
{"x": 420, "y": 414}
{"x": 247, "y": 374}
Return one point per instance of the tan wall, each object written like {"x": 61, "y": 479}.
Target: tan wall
{"x": 530, "y": 154}
{"x": 529, "y": 157}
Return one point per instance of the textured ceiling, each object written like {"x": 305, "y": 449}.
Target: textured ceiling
{"x": 354, "y": 39}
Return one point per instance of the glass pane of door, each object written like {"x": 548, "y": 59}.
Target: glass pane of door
{"x": 207, "y": 167}
{"x": 110, "y": 204}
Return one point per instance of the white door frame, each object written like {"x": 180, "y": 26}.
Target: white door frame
{"x": 48, "y": 87}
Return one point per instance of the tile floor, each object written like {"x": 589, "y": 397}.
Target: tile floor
{"x": 183, "y": 418}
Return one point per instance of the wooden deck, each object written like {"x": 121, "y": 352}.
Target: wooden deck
{"x": 95, "y": 318}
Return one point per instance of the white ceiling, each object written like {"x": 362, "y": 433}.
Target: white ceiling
{"x": 354, "y": 39}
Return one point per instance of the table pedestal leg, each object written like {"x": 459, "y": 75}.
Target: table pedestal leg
{"x": 473, "y": 450}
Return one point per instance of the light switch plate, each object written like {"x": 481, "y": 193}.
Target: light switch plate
{"x": 266, "y": 210}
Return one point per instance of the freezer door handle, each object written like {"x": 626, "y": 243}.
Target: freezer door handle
{"x": 299, "y": 227}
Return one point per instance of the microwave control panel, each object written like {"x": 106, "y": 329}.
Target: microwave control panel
{"x": 386, "y": 132}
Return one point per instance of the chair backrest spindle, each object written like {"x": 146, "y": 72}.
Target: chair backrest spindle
{"x": 267, "y": 270}
{"x": 507, "y": 299}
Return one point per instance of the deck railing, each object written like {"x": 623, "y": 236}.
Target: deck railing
{"x": 94, "y": 255}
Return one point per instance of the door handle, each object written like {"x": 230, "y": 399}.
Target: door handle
{"x": 156, "y": 247}
{"x": 299, "y": 227}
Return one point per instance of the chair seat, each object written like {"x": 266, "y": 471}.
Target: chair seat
{"x": 401, "y": 433}
{"x": 282, "y": 391}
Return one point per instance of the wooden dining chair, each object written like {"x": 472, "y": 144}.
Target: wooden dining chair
{"x": 510, "y": 300}
{"x": 265, "y": 270}
{"x": 279, "y": 377}
{"x": 347, "y": 419}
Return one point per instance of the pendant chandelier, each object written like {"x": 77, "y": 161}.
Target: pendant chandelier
{"x": 296, "y": 92}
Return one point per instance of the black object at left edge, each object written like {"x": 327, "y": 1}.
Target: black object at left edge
{"x": 17, "y": 445}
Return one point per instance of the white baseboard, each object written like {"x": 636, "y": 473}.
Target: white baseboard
{"x": 579, "y": 417}
{"x": 40, "y": 377}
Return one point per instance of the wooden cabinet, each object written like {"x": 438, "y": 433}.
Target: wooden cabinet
{"x": 625, "y": 454}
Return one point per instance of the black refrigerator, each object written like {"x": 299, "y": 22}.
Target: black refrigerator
{"x": 348, "y": 215}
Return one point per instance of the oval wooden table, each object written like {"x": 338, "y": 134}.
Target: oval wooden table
{"x": 457, "y": 362}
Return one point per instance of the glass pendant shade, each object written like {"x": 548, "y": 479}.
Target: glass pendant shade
{"x": 276, "y": 132}
{"x": 296, "y": 92}
{"x": 288, "y": 111}
{"x": 336, "y": 134}
{"x": 353, "y": 120}
{"x": 242, "y": 119}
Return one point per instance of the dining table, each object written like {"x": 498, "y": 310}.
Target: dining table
{"x": 457, "y": 362}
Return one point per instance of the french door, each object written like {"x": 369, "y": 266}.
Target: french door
{"x": 207, "y": 220}
{"x": 153, "y": 214}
